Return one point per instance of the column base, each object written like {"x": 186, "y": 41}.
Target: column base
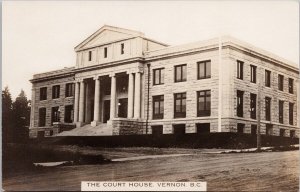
{"x": 79, "y": 124}
{"x": 95, "y": 123}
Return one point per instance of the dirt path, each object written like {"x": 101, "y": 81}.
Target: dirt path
{"x": 269, "y": 171}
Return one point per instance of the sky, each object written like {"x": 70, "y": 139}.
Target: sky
{"x": 39, "y": 36}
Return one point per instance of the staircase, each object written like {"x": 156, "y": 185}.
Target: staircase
{"x": 88, "y": 130}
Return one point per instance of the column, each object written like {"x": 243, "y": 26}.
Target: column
{"x": 130, "y": 96}
{"x": 32, "y": 108}
{"x": 76, "y": 99}
{"x": 137, "y": 96}
{"x": 96, "y": 102}
{"x": 113, "y": 97}
{"x": 81, "y": 102}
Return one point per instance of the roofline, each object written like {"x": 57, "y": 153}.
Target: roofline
{"x": 65, "y": 72}
{"x": 104, "y": 27}
{"x": 107, "y": 43}
{"x": 227, "y": 40}
{"x": 119, "y": 40}
{"x": 154, "y": 41}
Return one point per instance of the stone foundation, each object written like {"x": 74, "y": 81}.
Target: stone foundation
{"x": 128, "y": 127}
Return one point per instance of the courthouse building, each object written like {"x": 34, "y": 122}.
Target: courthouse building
{"x": 126, "y": 83}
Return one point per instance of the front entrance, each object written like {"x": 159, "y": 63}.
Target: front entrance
{"x": 122, "y": 107}
{"x": 106, "y": 111}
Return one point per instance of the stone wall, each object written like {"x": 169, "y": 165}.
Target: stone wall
{"x": 60, "y": 102}
{"x": 128, "y": 127}
{"x": 272, "y": 91}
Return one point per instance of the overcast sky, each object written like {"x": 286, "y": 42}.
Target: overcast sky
{"x": 39, "y": 36}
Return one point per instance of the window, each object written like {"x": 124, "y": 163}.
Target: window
{"x": 158, "y": 107}
{"x": 158, "y": 76}
{"x": 179, "y": 105}
{"x": 90, "y": 55}
{"x": 291, "y": 85}
{"x": 105, "y": 52}
{"x": 269, "y": 129}
{"x": 55, "y": 115}
{"x": 292, "y": 133}
{"x": 43, "y": 93}
{"x": 268, "y": 108}
{"x": 70, "y": 87}
{"x": 291, "y": 113}
{"x": 253, "y": 106}
{"x": 157, "y": 130}
{"x": 240, "y": 127}
{"x": 240, "y": 96}
{"x": 204, "y": 69}
{"x": 179, "y": 129}
{"x": 106, "y": 86}
{"x": 122, "y": 82}
{"x": 280, "y": 82}
{"x": 204, "y": 99}
{"x": 122, "y": 48}
{"x": 282, "y": 132}
{"x": 253, "y": 129}
{"x": 240, "y": 70}
{"x": 55, "y": 91}
{"x": 280, "y": 111}
{"x": 69, "y": 113}
{"x": 42, "y": 117}
{"x": 180, "y": 73}
{"x": 267, "y": 78}
{"x": 253, "y": 73}
{"x": 203, "y": 128}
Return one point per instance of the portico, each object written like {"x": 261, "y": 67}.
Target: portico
{"x": 102, "y": 98}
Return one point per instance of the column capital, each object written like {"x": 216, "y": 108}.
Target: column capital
{"x": 137, "y": 70}
{"x": 96, "y": 77}
{"x": 129, "y": 71}
{"x": 140, "y": 69}
{"x": 79, "y": 80}
{"x": 112, "y": 74}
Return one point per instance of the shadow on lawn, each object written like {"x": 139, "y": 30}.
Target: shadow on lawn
{"x": 18, "y": 157}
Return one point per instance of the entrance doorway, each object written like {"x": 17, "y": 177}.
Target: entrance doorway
{"x": 106, "y": 111}
{"x": 122, "y": 107}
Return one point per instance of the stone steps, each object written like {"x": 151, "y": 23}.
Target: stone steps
{"x": 88, "y": 130}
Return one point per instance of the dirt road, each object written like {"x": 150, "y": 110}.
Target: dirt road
{"x": 268, "y": 171}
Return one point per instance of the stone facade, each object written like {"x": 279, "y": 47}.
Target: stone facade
{"x": 114, "y": 85}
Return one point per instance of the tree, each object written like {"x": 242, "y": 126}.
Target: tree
{"x": 6, "y": 115}
{"x": 21, "y": 115}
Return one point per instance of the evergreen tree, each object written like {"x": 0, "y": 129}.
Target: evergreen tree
{"x": 21, "y": 115}
{"x": 7, "y": 124}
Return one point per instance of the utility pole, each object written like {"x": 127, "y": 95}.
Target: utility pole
{"x": 258, "y": 139}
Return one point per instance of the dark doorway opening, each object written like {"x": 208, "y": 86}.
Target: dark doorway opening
{"x": 203, "y": 128}
{"x": 269, "y": 129}
{"x": 240, "y": 127}
{"x": 179, "y": 129}
{"x": 157, "y": 130}
{"x": 122, "y": 107}
{"x": 106, "y": 111}
{"x": 40, "y": 134}
{"x": 253, "y": 129}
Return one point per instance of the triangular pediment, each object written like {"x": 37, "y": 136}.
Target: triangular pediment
{"x": 107, "y": 34}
